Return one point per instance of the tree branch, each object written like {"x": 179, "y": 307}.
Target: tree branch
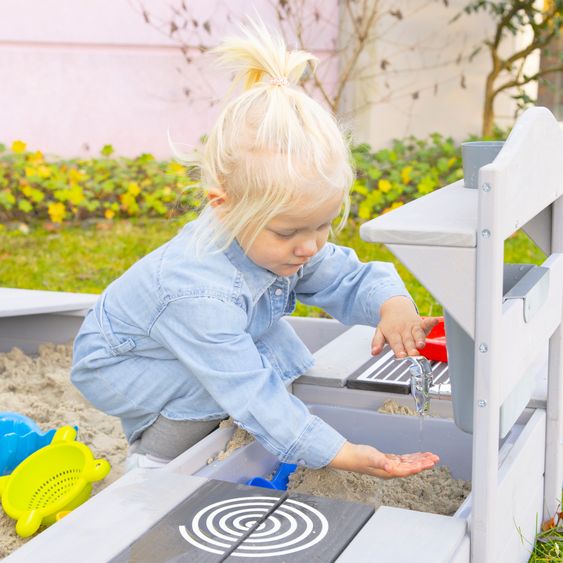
{"x": 517, "y": 83}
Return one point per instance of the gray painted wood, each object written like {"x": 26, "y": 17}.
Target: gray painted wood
{"x": 15, "y": 302}
{"x": 446, "y": 217}
{"x": 226, "y": 522}
{"x": 340, "y": 357}
{"x": 431, "y": 538}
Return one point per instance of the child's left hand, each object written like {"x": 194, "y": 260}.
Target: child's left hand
{"x": 402, "y": 328}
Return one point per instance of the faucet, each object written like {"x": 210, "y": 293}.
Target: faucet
{"x": 421, "y": 381}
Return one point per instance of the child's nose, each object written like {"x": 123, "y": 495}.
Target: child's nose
{"x": 307, "y": 248}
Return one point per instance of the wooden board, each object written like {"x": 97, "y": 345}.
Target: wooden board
{"x": 226, "y": 522}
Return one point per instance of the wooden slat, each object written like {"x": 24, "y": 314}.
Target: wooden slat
{"x": 521, "y": 341}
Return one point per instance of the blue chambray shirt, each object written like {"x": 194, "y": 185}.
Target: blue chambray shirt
{"x": 202, "y": 338}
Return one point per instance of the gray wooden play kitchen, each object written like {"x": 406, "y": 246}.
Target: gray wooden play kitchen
{"x": 500, "y": 397}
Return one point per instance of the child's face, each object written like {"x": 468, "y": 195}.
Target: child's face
{"x": 290, "y": 240}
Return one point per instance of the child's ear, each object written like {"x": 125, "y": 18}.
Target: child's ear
{"x": 216, "y": 196}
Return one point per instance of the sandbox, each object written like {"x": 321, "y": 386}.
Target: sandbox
{"x": 452, "y": 240}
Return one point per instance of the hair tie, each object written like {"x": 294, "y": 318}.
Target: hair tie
{"x": 279, "y": 81}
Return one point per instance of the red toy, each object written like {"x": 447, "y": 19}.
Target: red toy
{"x": 435, "y": 348}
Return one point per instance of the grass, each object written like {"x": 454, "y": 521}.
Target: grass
{"x": 86, "y": 258}
{"x": 548, "y": 547}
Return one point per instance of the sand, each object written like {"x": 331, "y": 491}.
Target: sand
{"x": 39, "y": 387}
{"x": 434, "y": 490}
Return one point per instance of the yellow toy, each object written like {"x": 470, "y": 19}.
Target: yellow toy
{"x": 56, "y": 478}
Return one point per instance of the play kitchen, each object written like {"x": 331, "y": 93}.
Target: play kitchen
{"x": 497, "y": 394}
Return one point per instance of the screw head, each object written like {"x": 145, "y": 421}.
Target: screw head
{"x": 485, "y": 233}
{"x": 482, "y": 403}
{"x": 487, "y": 187}
{"x": 483, "y": 348}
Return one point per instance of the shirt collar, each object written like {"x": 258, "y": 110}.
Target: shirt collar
{"x": 257, "y": 278}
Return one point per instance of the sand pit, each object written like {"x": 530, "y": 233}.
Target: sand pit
{"x": 39, "y": 387}
{"x": 433, "y": 491}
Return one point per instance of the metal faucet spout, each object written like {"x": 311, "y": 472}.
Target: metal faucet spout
{"x": 421, "y": 381}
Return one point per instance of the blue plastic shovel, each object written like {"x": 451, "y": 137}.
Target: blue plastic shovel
{"x": 279, "y": 480}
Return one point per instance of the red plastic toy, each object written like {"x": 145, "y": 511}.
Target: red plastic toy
{"x": 435, "y": 348}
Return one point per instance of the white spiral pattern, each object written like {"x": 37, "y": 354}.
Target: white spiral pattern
{"x": 292, "y": 527}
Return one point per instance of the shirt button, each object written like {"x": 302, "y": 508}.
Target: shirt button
{"x": 278, "y": 292}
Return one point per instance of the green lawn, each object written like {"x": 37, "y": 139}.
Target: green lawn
{"x": 86, "y": 258}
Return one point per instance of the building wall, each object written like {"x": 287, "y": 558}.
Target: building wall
{"x": 78, "y": 74}
{"x": 429, "y": 85}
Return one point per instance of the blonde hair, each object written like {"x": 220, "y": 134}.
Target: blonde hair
{"x": 273, "y": 147}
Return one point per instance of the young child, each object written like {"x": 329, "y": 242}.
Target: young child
{"x": 194, "y": 331}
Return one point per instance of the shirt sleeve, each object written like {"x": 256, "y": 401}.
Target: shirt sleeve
{"x": 349, "y": 290}
{"x": 208, "y": 335}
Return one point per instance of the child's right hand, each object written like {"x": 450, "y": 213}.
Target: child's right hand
{"x": 369, "y": 460}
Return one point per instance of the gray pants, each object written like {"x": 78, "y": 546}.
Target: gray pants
{"x": 167, "y": 439}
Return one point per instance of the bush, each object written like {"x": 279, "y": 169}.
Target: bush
{"x": 411, "y": 168}
{"x": 33, "y": 188}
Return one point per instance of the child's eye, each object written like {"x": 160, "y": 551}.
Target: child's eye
{"x": 284, "y": 235}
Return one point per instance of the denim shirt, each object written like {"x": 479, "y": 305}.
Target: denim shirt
{"x": 202, "y": 338}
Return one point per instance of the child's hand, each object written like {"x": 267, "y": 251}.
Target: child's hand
{"x": 365, "y": 459}
{"x": 402, "y": 328}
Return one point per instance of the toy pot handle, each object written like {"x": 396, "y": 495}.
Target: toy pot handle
{"x": 28, "y": 523}
{"x": 64, "y": 434}
{"x": 96, "y": 470}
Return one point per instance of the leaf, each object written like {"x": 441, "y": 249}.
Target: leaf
{"x": 548, "y": 524}
{"x": 107, "y": 150}
{"x": 25, "y": 206}
{"x": 7, "y": 199}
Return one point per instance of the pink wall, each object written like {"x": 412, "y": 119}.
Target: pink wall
{"x": 77, "y": 74}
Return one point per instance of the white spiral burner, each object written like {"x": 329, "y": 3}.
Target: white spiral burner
{"x": 293, "y": 527}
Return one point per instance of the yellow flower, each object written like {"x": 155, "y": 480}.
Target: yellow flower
{"x": 75, "y": 176}
{"x": 43, "y": 171}
{"x": 76, "y": 195}
{"x": 35, "y": 157}
{"x": 384, "y": 185}
{"x": 18, "y": 147}
{"x": 406, "y": 174}
{"x": 133, "y": 188}
{"x": 175, "y": 168}
{"x": 57, "y": 212}
{"x": 109, "y": 214}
